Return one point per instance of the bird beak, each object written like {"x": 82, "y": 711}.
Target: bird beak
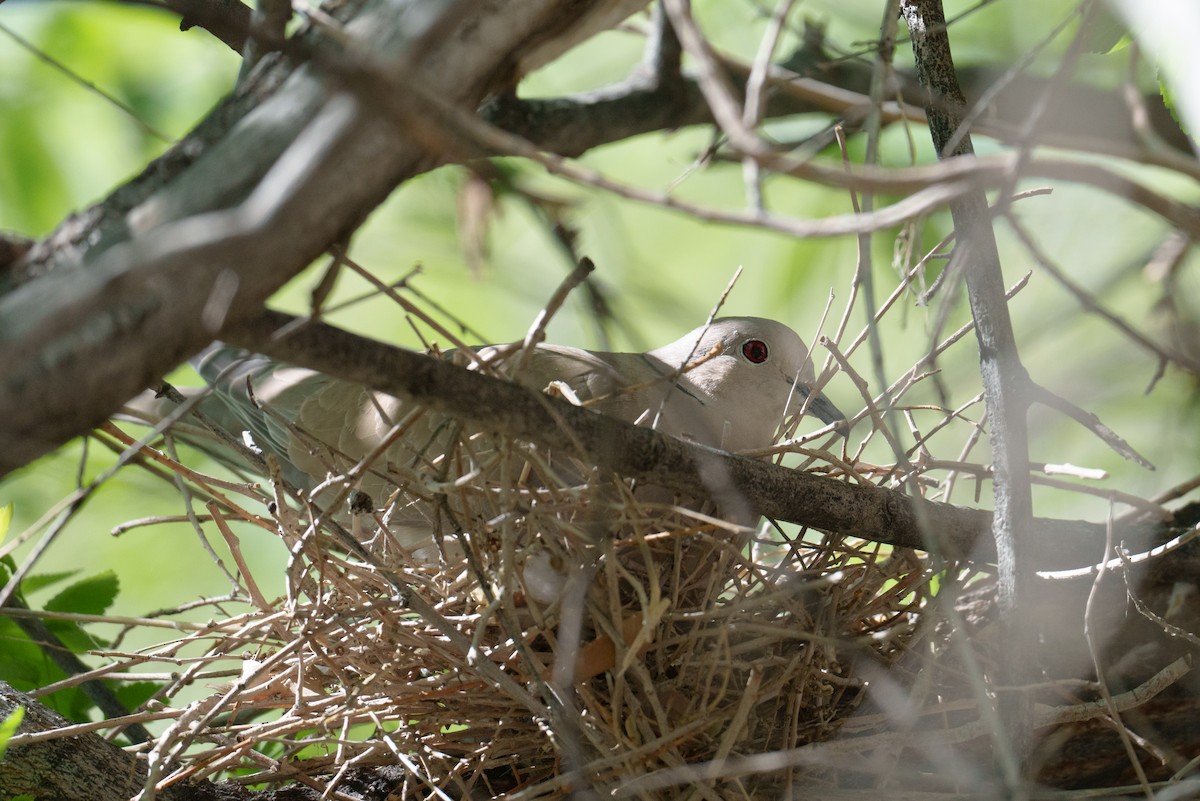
{"x": 823, "y": 409}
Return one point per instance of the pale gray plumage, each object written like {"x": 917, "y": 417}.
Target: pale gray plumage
{"x": 749, "y": 374}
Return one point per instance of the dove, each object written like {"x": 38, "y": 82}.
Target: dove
{"x": 729, "y": 384}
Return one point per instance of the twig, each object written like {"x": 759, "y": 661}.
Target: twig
{"x": 537, "y": 332}
{"x": 1124, "y": 559}
{"x": 1089, "y": 633}
{"x": 86, "y": 84}
{"x": 752, "y": 111}
{"x": 1004, "y": 385}
{"x": 1147, "y": 612}
{"x": 1091, "y": 305}
{"x": 1089, "y": 421}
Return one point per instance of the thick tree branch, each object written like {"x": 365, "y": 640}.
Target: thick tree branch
{"x": 867, "y": 511}
{"x": 264, "y": 196}
{"x": 69, "y": 768}
{"x": 1083, "y": 118}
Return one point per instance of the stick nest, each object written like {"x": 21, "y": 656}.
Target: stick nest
{"x": 559, "y": 633}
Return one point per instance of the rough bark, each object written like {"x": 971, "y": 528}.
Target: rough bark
{"x": 67, "y": 768}
{"x": 256, "y": 194}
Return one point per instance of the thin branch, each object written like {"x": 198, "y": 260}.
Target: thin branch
{"x": 74, "y": 76}
{"x": 1089, "y": 421}
{"x": 1004, "y": 383}
{"x": 1090, "y": 614}
{"x": 1090, "y": 304}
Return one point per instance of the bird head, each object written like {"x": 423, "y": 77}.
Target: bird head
{"x": 750, "y": 373}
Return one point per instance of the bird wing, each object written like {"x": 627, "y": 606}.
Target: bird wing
{"x": 629, "y": 386}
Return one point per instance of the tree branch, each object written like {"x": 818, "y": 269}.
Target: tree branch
{"x": 857, "y": 510}
{"x": 1005, "y": 381}
{"x": 69, "y": 768}
{"x": 228, "y": 20}
{"x": 152, "y": 278}
{"x": 1083, "y": 118}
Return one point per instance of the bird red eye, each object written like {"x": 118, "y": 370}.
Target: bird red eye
{"x": 755, "y": 351}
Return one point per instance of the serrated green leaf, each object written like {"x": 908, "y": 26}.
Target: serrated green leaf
{"x": 89, "y": 596}
{"x": 34, "y": 583}
{"x": 22, "y": 663}
{"x": 1168, "y": 100}
{"x": 1107, "y": 33}
{"x": 9, "y": 727}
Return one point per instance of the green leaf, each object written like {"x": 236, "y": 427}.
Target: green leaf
{"x": 89, "y": 596}
{"x": 1169, "y": 102}
{"x": 8, "y": 565}
{"x": 22, "y": 664}
{"x": 9, "y": 727}
{"x": 26, "y": 667}
{"x": 1106, "y": 33}
{"x": 34, "y": 583}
